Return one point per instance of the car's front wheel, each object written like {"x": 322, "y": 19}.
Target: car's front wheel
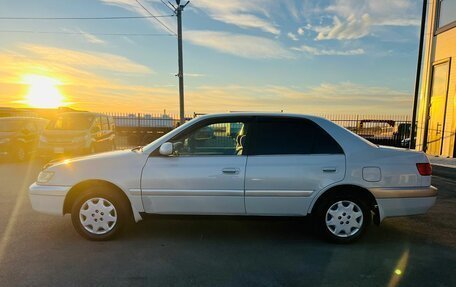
{"x": 98, "y": 214}
{"x": 343, "y": 219}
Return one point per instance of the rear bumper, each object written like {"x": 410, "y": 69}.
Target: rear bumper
{"x": 48, "y": 199}
{"x": 404, "y": 201}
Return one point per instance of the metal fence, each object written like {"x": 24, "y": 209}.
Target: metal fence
{"x": 140, "y": 129}
{"x": 135, "y": 129}
{"x": 391, "y": 130}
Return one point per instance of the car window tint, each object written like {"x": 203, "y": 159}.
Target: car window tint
{"x": 291, "y": 136}
{"x": 213, "y": 139}
{"x": 324, "y": 143}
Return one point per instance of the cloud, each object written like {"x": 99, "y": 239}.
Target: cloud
{"x": 327, "y": 52}
{"x": 94, "y": 60}
{"x": 300, "y": 31}
{"x": 253, "y": 47}
{"x": 85, "y": 87}
{"x": 354, "y": 19}
{"x": 133, "y": 6}
{"x": 240, "y": 13}
{"x": 292, "y": 36}
{"x": 326, "y": 98}
{"x": 91, "y": 38}
{"x": 351, "y": 28}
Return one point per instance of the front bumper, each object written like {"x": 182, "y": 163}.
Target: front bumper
{"x": 404, "y": 201}
{"x": 52, "y": 149}
{"x": 48, "y": 198}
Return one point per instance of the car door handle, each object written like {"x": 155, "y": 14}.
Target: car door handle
{"x": 329, "y": 169}
{"x": 230, "y": 170}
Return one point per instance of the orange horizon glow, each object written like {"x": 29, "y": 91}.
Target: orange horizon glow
{"x": 43, "y": 91}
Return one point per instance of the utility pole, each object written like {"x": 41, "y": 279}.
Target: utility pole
{"x": 413, "y": 128}
{"x": 178, "y": 11}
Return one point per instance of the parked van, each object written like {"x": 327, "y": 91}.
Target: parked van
{"x": 19, "y": 136}
{"x": 76, "y": 133}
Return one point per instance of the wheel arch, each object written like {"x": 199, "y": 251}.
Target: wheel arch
{"x": 83, "y": 185}
{"x": 350, "y": 189}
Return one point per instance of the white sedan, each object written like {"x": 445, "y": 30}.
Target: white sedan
{"x": 241, "y": 164}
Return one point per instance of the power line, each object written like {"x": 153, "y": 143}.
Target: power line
{"x": 86, "y": 18}
{"x": 158, "y": 20}
{"x": 85, "y": 33}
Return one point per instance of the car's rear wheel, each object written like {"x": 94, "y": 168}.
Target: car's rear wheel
{"x": 99, "y": 214}
{"x": 343, "y": 219}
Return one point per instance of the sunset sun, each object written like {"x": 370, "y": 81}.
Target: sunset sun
{"x": 43, "y": 92}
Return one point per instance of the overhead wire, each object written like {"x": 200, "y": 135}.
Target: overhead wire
{"x": 87, "y": 18}
{"x": 85, "y": 33}
{"x": 158, "y": 20}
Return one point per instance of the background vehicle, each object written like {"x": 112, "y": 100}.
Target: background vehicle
{"x": 77, "y": 133}
{"x": 383, "y": 132}
{"x": 275, "y": 165}
{"x": 19, "y": 136}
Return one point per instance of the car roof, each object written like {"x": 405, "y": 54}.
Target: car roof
{"x": 260, "y": 114}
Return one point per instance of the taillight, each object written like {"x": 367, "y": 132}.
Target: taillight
{"x": 424, "y": 168}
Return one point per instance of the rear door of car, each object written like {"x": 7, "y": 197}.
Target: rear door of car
{"x": 290, "y": 159}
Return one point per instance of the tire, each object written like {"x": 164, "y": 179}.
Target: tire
{"x": 99, "y": 213}
{"x": 343, "y": 218}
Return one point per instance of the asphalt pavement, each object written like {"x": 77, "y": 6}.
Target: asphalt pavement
{"x": 42, "y": 250}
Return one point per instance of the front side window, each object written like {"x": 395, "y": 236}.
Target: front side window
{"x": 277, "y": 136}
{"x": 71, "y": 122}
{"x": 447, "y": 12}
{"x": 225, "y": 138}
{"x": 9, "y": 125}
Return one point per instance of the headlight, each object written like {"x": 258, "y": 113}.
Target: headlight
{"x": 45, "y": 176}
{"x": 4, "y": 141}
{"x": 43, "y": 139}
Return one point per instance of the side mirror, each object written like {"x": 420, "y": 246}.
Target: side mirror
{"x": 166, "y": 149}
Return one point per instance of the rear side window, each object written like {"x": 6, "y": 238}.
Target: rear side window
{"x": 291, "y": 136}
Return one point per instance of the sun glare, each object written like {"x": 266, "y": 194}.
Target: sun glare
{"x": 43, "y": 92}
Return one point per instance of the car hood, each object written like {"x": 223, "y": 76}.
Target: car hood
{"x": 120, "y": 167}
{"x": 93, "y": 158}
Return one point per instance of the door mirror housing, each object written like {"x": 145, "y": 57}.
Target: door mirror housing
{"x": 166, "y": 149}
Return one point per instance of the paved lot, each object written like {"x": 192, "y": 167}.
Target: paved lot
{"x": 41, "y": 250}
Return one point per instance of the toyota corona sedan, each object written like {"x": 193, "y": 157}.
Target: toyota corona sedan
{"x": 259, "y": 164}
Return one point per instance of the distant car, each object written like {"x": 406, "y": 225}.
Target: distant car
{"x": 277, "y": 165}
{"x": 19, "y": 136}
{"x": 78, "y": 133}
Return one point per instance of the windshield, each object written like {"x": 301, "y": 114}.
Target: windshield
{"x": 10, "y": 125}
{"x": 71, "y": 122}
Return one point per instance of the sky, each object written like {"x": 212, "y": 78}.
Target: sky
{"x": 317, "y": 57}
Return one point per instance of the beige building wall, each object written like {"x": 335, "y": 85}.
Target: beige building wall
{"x": 439, "y": 48}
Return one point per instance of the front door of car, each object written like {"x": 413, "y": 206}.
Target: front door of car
{"x": 289, "y": 161}
{"x": 204, "y": 175}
